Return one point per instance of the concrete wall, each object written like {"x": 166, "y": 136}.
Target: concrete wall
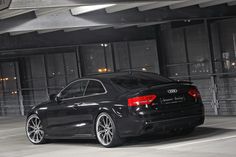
{"x": 187, "y": 55}
{"x": 183, "y": 49}
{"x": 60, "y": 38}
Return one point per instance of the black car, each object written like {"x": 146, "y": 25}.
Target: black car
{"x": 111, "y": 107}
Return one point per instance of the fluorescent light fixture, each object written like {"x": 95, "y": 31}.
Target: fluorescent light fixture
{"x": 99, "y": 27}
{"x": 121, "y": 7}
{"x": 74, "y": 29}
{"x": 85, "y": 9}
{"x": 20, "y": 33}
{"x": 47, "y": 31}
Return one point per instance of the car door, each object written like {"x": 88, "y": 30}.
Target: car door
{"x": 63, "y": 117}
{"x": 93, "y": 98}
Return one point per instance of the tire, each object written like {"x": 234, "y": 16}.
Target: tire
{"x": 187, "y": 131}
{"x": 182, "y": 132}
{"x": 34, "y": 130}
{"x": 106, "y": 131}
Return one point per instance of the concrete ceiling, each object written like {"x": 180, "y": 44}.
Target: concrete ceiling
{"x": 43, "y": 16}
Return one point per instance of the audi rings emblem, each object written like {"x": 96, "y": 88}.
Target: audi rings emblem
{"x": 172, "y": 91}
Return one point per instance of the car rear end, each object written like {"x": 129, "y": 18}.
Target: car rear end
{"x": 161, "y": 106}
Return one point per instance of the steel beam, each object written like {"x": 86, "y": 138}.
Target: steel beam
{"x": 47, "y": 22}
{"x": 64, "y": 20}
{"x": 215, "y": 101}
{"x": 44, "y": 11}
{"x": 121, "y": 7}
{"x": 99, "y": 28}
{"x": 47, "y": 31}
{"x": 232, "y": 3}
{"x": 124, "y": 26}
{"x": 20, "y": 33}
{"x": 213, "y": 3}
{"x": 73, "y": 29}
{"x": 7, "y": 13}
{"x": 151, "y": 24}
{"x": 36, "y": 4}
{"x": 188, "y": 3}
{"x": 157, "y": 5}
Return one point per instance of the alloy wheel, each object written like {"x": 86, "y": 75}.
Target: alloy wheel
{"x": 105, "y": 129}
{"x": 34, "y": 129}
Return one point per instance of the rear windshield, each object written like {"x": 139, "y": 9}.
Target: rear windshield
{"x": 136, "y": 81}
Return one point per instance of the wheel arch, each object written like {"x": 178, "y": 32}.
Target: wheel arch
{"x": 101, "y": 110}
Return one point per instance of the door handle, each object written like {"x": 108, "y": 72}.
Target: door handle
{"x": 77, "y": 105}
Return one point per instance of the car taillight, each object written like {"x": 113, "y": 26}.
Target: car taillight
{"x": 141, "y": 100}
{"x": 194, "y": 93}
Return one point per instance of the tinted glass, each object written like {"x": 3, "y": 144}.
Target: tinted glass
{"x": 95, "y": 57}
{"x": 121, "y": 52}
{"x": 144, "y": 56}
{"x": 55, "y": 72}
{"x": 74, "y": 90}
{"x": 136, "y": 81}
{"x": 94, "y": 87}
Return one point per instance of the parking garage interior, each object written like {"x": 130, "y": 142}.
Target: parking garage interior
{"x": 46, "y": 45}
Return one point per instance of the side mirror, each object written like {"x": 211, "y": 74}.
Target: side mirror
{"x": 54, "y": 97}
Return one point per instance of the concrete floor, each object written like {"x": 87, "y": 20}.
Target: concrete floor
{"x": 216, "y": 138}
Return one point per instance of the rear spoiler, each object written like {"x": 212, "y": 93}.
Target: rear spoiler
{"x": 174, "y": 82}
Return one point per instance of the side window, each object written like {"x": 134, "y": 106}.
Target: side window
{"x": 76, "y": 89}
{"x": 94, "y": 87}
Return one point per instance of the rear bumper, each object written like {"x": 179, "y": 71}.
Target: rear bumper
{"x": 138, "y": 128}
{"x": 177, "y": 123}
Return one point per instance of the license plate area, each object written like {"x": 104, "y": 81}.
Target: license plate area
{"x": 172, "y": 99}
